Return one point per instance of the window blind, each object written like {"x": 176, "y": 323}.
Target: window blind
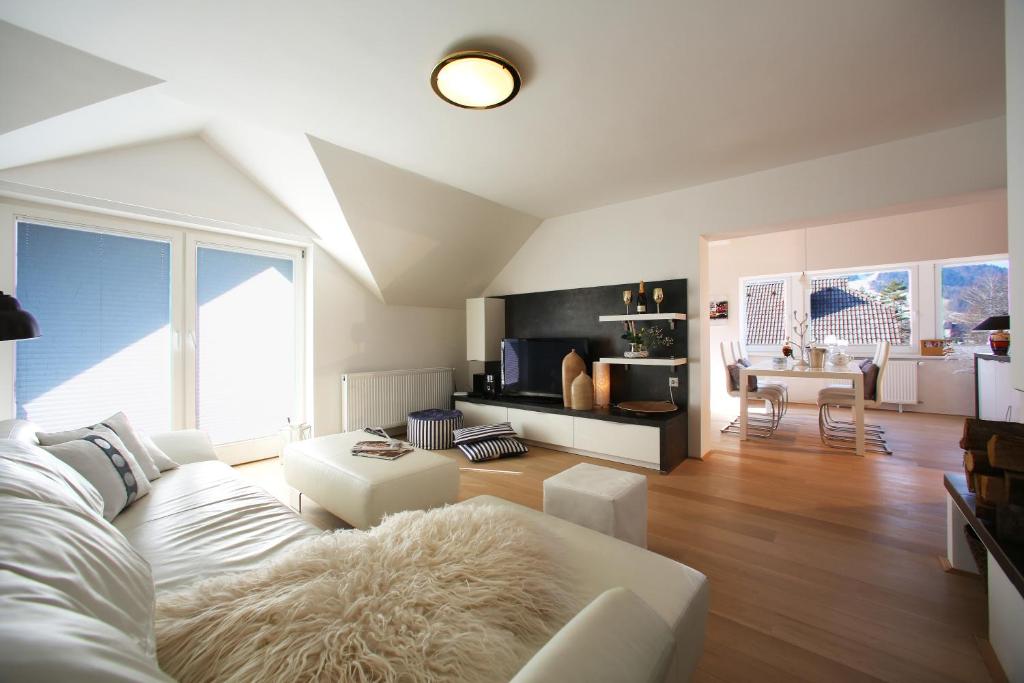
{"x": 103, "y": 306}
{"x": 245, "y": 344}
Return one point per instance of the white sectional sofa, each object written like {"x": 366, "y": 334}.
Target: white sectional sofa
{"x": 77, "y": 592}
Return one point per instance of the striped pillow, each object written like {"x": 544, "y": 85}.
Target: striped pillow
{"x": 492, "y": 449}
{"x": 483, "y": 433}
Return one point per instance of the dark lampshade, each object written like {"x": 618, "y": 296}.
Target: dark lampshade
{"x": 994, "y": 322}
{"x": 14, "y": 322}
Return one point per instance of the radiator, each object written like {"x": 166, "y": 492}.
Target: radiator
{"x": 900, "y": 382}
{"x": 384, "y": 399}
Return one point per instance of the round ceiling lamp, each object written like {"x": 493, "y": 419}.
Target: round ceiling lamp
{"x": 475, "y": 80}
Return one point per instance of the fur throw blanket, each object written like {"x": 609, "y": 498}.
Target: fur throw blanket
{"x": 462, "y": 593}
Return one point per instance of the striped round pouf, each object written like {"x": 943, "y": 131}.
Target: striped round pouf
{"x": 432, "y": 429}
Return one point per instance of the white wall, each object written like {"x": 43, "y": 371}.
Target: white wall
{"x": 354, "y": 332}
{"x": 659, "y": 237}
{"x": 974, "y": 227}
{"x": 1015, "y": 171}
{"x": 426, "y": 243}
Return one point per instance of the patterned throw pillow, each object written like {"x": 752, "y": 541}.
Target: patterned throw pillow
{"x": 483, "y": 433}
{"x": 493, "y": 449}
{"x": 152, "y": 460}
{"x": 103, "y": 460}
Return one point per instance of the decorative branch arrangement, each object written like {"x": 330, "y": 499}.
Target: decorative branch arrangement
{"x": 800, "y": 330}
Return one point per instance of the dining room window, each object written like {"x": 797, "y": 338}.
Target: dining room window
{"x": 969, "y": 292}
{"x": 862, "y": 307}
{"x": 764, "y": 311}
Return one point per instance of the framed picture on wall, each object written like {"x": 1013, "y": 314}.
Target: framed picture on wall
{"x": 719, "y": 310}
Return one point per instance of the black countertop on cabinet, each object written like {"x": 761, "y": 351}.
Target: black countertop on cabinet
{"x": 1010, "y": 557}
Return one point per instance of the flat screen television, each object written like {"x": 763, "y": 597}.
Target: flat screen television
{"x": 533, "y": 367}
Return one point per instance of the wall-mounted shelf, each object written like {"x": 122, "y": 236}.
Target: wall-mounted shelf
{"x": 664, "y": 362}
{"x": 670, "y": 317}
{"x": 642, "y": 316}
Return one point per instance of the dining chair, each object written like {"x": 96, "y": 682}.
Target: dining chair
{"x": 740, "y": 355}
{"x": 842, "y": 433}
{"x": 880, "y": 358}
{"x": 759, "y": 426}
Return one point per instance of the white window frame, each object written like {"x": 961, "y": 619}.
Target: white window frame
{"x": 913, "y": 346}
{"x": 183, "y": 241}
{"x": 937, "y": 266}
{"x": 787, "y": 295}
{"x": 250, "y": 246}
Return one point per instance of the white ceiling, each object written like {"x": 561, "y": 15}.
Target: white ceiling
{"x": 41, "y": 78}
{"x": 620, "y": 99}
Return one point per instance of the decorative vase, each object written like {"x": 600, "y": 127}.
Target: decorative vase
{"x": 636, "y": 351}
{"x": 572, "y": 366}
{"x": 582, "y": 392}
{"x": 999, "y": 342}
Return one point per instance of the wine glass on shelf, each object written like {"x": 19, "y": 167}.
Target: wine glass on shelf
{"x": 627, "y": 298}
{"x": 659, "y": 296}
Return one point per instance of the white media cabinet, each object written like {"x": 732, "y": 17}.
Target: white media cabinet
{"x": 655, "y": 442}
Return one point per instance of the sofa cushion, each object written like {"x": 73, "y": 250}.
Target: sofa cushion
{"x": 44, "y": 636}
{"x": 492, "y": 449}
{"x": 466, "y": 435}
{"x": 203, "y": 519}
{"x": 870, "y": 371}
{"x": 85, "y": 565}
{"x": 19, "y": 430}
{"x": 162, "y": 460}
{"x": 117, "y": 423}
{"x": 103, "y": 459}
{"x": 27, "y": 471}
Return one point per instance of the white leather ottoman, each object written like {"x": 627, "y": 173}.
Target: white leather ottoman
{"x": 600, "y": 498}
{"x": 362, "y": 490}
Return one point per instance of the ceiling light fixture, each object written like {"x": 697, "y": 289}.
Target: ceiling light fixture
{"x": 475, "y": 80}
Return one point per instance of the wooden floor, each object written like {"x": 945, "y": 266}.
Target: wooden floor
{"x": 823, "y": 565}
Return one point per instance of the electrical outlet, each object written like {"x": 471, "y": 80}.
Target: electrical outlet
{"x": 673, "y": 382}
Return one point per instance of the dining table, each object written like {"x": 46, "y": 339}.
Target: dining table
{"x": 851, "y": 373}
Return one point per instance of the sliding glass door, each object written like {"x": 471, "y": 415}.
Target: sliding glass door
{"x": 245, "y": 343}
{"x": 178, "y": 329}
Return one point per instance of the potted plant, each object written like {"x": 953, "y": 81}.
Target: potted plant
{"x": 643, "y": 340}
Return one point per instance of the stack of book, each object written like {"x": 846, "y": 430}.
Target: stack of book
{"x": 382, "y": 450}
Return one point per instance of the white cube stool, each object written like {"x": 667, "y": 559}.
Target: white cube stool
{"x": 600, "y": 498}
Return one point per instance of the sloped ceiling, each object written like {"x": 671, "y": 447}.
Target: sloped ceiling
{"x": 183, "y": 179}
{"x": 41, "y": 78}
{"x": 425, "y": 242}
{"x": 146, "y": 152}
{"x": 284, "y": 163}
{"x": 620, "y": 101}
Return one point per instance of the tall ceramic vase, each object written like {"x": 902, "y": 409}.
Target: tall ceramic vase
{"x": 572, "y": 366}
{"x": 583, "y": 392}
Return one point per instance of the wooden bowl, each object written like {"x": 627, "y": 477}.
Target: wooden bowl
{"x": 649, "y": 406}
